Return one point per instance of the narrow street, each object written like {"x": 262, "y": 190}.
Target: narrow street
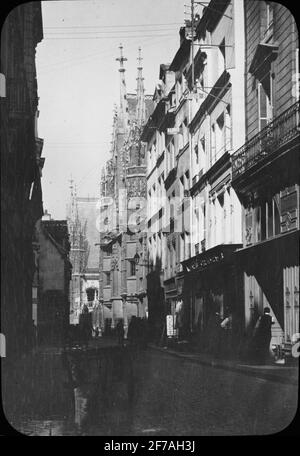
{"x": 150, "y": 218}
{"x": 173, "y": 397}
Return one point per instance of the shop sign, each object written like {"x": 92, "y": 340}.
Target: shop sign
{"x": 201, "y": 263}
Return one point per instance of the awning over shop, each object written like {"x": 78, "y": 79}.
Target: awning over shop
{"x": 265, "y": 261}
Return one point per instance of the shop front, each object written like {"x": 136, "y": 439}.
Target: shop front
{"x": 212, "y": 291}
{"x": 271, "y": 271}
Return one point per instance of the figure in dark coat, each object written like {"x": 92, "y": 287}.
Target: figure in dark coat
{"x": 262, "y": 337}
{"x": 85, "y": 326}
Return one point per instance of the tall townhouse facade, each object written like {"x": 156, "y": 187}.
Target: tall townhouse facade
{"x": 265, "y": 170}
{"x": 21, "y": 166}
{"x": 195, "y": 223}
{"x": 213, "y": 286}
{"x": 212, "y": 281}
{"x": 123, "y": 261}
{"x": 177, "y": 182}
{"x": 160, "y": 155}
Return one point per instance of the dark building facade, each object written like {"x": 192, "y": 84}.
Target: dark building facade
{"x": 21, "y": 164}
{"x": 53, "y": 280}
{"x": 265, "y": 170}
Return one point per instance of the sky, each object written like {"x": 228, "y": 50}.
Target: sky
{"x": 78, "y": 82}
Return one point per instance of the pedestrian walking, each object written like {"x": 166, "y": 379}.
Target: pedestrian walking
{"x": 85, "y": 326}
{"x": 262, "y": 337}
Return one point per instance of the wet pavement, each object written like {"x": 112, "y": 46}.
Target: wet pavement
{"x": 173, "y": 396}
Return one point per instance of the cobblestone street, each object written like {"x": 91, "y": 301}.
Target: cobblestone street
{"x": 174, "y": 397}
{"x": 150, "y": 219}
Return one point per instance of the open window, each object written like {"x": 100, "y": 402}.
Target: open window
{"x": 265, "y": 100}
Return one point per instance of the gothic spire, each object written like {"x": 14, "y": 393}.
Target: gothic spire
{"x": 140, "y": 108}
{"x": 70, "y": 206}
{"x": 123, "y": 92}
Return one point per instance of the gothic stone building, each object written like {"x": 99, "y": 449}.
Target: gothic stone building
{"x": 123, "y": 262}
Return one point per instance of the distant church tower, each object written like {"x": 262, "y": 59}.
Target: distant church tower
{"x": 140, "y": 108}
{"x": 123, "y": 114}
{"x": 121, "y": 282}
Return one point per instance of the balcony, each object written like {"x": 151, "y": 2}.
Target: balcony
{"x": 267, "y": 144}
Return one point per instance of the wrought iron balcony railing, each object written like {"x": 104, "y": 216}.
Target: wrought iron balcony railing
{"x": 268, "y": 141}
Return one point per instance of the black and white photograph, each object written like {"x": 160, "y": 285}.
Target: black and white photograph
{"x": 150, "y": 199}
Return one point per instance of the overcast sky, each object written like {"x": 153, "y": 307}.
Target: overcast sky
{"x": 78, "y": 81}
